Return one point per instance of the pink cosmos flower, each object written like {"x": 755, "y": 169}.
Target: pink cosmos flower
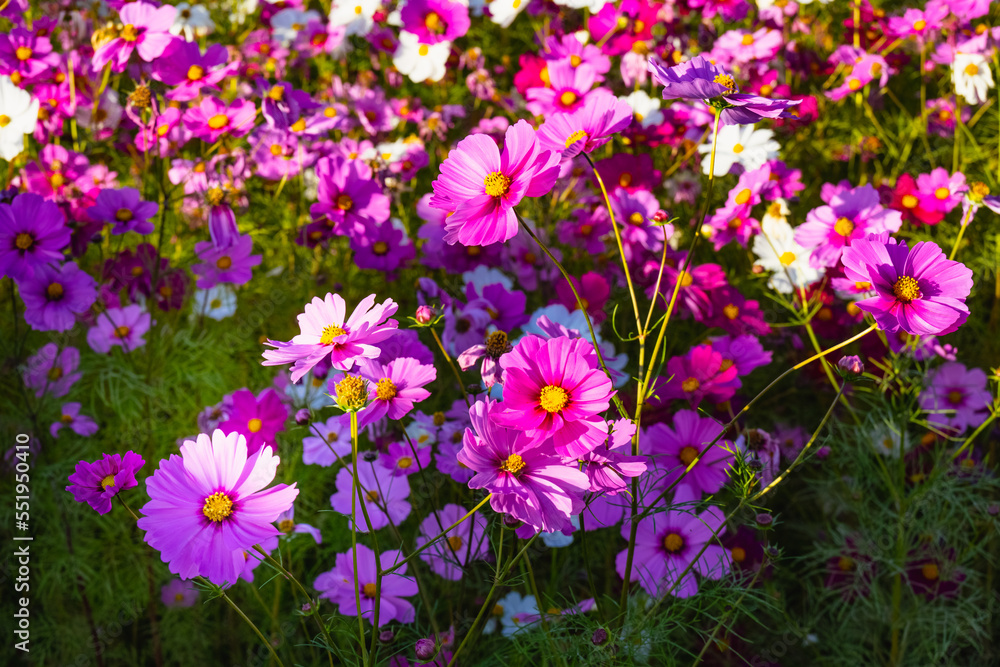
{"x": 592, "y": 125}
{"x": 700, "y": 375}
{"x": 124, "y": 327}
{"x": 919, "y": 23}
{"x": 634, "y": 214}
{"x": 917, "y": 290}
{"x": 232, "y": 264}
{"x": 349, "y": 200}
{"x": 481, "y": 186}
{"x": 554, "y": 388}
{"x": 609, "y": 466}
{"x": 743, "y": 46}
{"x": 384, "y": 494}
{"x": 179, "y": 593}
{"x": 329, "y": 440}
{"x": 337, "y": 585}
{"x": 258, "y": 419}
{"x": 325, "y": 330}
{"x": 448, "y": 557}
{"x": 434, "y": 21}
{"x": 956, "y": 397}
{"x": 673, "y": 448}
{"x": 567, "y": 89}
{"x": 851, "y": 214}
{"x": 394, "y": 388}
{"x": 188, "y": 72}
{"x": 26, "y": 57}
{"x": 98, "y": 482}
{"x": 735, "y": 314}
{"x": 213, "y": 118}
{"x": 52, "y": 371}
{"x": 528, "y": 481}
{"x": 940, "y": 192}
{"x": 383, "y": 249}
{"x": 145, "y": 29}
{"x": 402, "y": 459}
{"x": 907, "y": 200}
{"x": 80, "y": 424}
{"x": 207, "y": 506}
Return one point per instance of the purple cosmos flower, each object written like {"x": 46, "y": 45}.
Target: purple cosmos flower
{"x": 207, "y": 506}
{"x": 55, "y": 295}
{"x": 71, "y": 417}
{"x": 337, "y": 585}
{"x": 674, "y": 447}
{"x": 232, "y": 264}
{"x": 700, "y": 79}
{"x": 349, "y": 201}
{"x": 956, "y": 397}
{"x": 495, "y": 346}
{"x": 744, "y": 352}
{"x": 851, "y": 215}
{"x": 123, "y": 327}
{"x": 213, "y": 118}
{"x": 145, "y": 29}
{"x": 463, "y": 544}
{"x": 402, "y": 459}
{"x": 187, "y": 71}
{"x": 33, "y": 233}
{"x": 697, "y": 284}
{"x": 434, "y": 21}
{"x": 609, "y": 465}
{"x": 555, "y": 388}
{"x": 935, "y": 577}
{"x": 394, "y": 388}
{"x": 504, "y": 306}
{"x": 446, "y": 458}
{"x": 124, "y": 210}
{"x": 589, "y": 127}
{"x": 51, "y": 370}
{"x": 179, "y": 593}
{"x": 258, "y": 419}
{"x": 330, "y": 439}
{"x": 98, "y": 482}
{"x": 383, "y": 249}
{"x": 481, "y": 186}
{"x": 325, "y": 330}
{"x": 384, "y": 494}
{"x": 634, "y": 212}
{"x": 735, "y": 314}
{"x": 527, "y": 481}
{"x": 668, "y": 542}
{"x": 700, "y": 375}
{"x": 287, "y": 525}
{"x": 917, "y": 289}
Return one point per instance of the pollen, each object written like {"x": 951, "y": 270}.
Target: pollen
{"x": 942, "y": 193}
{"x": 352, "y": 392}
{"x": 972, "y": 69}
{"x": 787, "y": 258}
{"x": 691, "y": 384}
{"x": 54, "y": 291}
{"x": 909, "y": 201}
{"x": 731, "y": 311}
{"x": 369, "y": 590}
{"x": 906, "y": 289}
{"x": 123, "y": 215}
{"x": 344, "y": 202}
{"x": 122, "y": 331}
{"x": 108, "y": 481}
{"x": 955, "y": 397}
{"x": 385, "y": 389}
{"x": 224, "y": 262}
{"x": 218, "y": 121}
{"x": 725, "y": 81}
{"x": 673, "y": 543}
{"x": 843, "y": 227}
{"x": 286, "y": 525}
{"x": 738, "y": 148}
{"x": 553, "y": 398}
{"x": 575, "y": 137}
{"x": 496, "y": 184}
{"x": 23, "y": 53}
{"x": 129, "y": 33}
{"x": 513, "y": 464}
{"x": 687, "y": 455}
{"x": 24, "y": 240}
{"x": 568, "y": 98}
{"x": 497, "y": 344}
{"x": 455, "y": 542}
{"x": 255, "y": 425}
{"x": 433, "y": 22}
{"x": 217, "y": 507}
{"x": 743, "y": 197}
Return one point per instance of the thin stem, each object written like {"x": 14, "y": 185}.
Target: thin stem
{"x": 252, "y": 626}
{"x": 430, "y": 542}
{"x": 961, "y": 233}
{"x": 354, "y": 533}
{"x": 451, "y": 362}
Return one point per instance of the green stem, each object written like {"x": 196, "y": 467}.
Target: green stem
{"x": 451, "y": 362}
{"x": 354, "y": 533}
{"x": 252, "y": 626}
{"x": 440, "y": 535}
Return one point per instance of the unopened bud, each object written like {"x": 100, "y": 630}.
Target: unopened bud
{"x": 764, "y": 520}
{"x": 660, "y": 216}
{"x": 599, "y": 637}
{"x": 386, "y": 636}
{"x": 851, "y": 368}
{"x": 425, "y": 649}
{"x": 302, "y": 417}
{"x": 424, "y": 315}
{"x": 352, "y": 393}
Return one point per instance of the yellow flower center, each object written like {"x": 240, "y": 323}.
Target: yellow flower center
{"x": 930, "y": 571}
{"x": 121, "y": 332}
{"x": 455, "y": 542}
{"x": 372, "y": 495}
{"x": 254, "y": 425}
{"x": 863, "y": 286}
{"x": 330, "y": 112}
{"x": 218, "y": 121}
{"x": 385, "y": 390}
{"x": 942, "y": 193}
{"x": 123, "y": 215}
{"x": 329, "y": 333}
{"x": 691, "y": 384}
{"x": 636, "y": 218}
{"x": 685, "y": 279}
{"x": 688, "y": 454}
{"x": 575, "y": 137}
{"x": 673, "y": 543}
{"x": 54, "y": 291}
{"x": 380, "y": 247}
{"x": 731, "y": 311}
{"x": 24, "y": 240}
{"x": 955, "y": 397}
{"x": 224, "y": 262}
{"x": 909, "y": 201}
{"x": 726, "y": 81}
{"x": 738, "y": 148}
{"x": 854, "y": 84}
{"x": 405, "y": 462}
{"x": 977, "y": 191}
{"x": 625, "y": 180}
{"x": 972, "y": 69}
{"x": 4, "y": 120}
{"x": 747, "y": 40}
{"x": 919, "y": 25}
{"x": 739, "y": 554}
{"x": 844, "y": 227}
{"x": 129, "y": 33}
{"x": 845, "y": 564}
{"x": 23, "y": 53}
{"x": 368, "y": 590}
{"x": 286, "y": 525}
{"x": 906, "y": 289}
{"x": 276, "y": 150}
{"x": 162, "y": 130}
{"x": 195, "y": 73}
{"x": 766, "y": 90}
{"x": 743, "y": 196}
{"x": 575, "y": 60}
{"x": 553, "y": 398}
{"x": 433, "y": 23}
{"x": 787, "y": 258}
{"x": 497, "y": 185}
{"x": 277, "y": 93}
{"x": 178, "y": 597}
{"x": 298, "y": 126}
{"x": 514, "y": 464}
{"x": 568, "y": 98}
{"x": 217, "y": 507}
{"x": 108, "y": 481}
{"x": 423, "y": 50}
{"x": 55, "y": 373}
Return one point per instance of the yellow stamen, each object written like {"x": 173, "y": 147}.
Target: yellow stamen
{"x": 906, "y": 289}
{"x": 514, "y": 464}
{"x": 673, "y": 543}
{"x": 255, "y": 425}
{"x": 844, "y": 227}
{"x": 553, "y": 398}
{"x": 385, "y": 389}
{"x": 217, "y": 507}
{"x": 690, "y": 385}
{"x": 496, "y": 184}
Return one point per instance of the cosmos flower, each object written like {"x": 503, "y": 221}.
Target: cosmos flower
{"x": 601, "y": 116}
{"x": 906, "y": 199}
{"x": 917, "y": 289}
{"x": 956, "y": 397}
{"x": 421, "y": 61}
{"x": 232, "y": 264}
{"x": 337, "y": 586}
{"x": 98, "y": 482}
{"x": 743, "y": 146}
{"x": 179, "y": 593}
{"x": 329, "y": 440}
{"x": 554, "y": 388}
{"x": 124, "y": 210}
{"x": 212, "y": 118}
{"x": 675, "y": 446}
{"x": 481, "y": 186}
{"x": 55, "y": 295}
{"x": 384, "y": 494}
{"x": 528, "y": 481}
{"x": 972, "y": 77}
{"x": 52, "y": 371}
{"x": 394, "y": 388}
{"x": 940, "y": 192}
{"x": 71, "y": 418}
{"x": 33, "y": 233}
{"x": 851, "y": 214}
{"x": 349, "y": 200}
{"x": 208, "y": 506}
{"x": 119, "y": 327}
{"x": 463, "y": 544}
{"x": 258, "y": 419}
{"x": 325, "y": 330}
{"x": 778, "y": 252}
{"x": 145, "y": 29}
{"x": 701, "y": 374}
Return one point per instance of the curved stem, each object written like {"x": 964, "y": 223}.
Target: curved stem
{"x": 430, "y": 542}
{"x": 451, "y": 362}
{"x": 961, "y": 233}
{"x": 252, "y": 626}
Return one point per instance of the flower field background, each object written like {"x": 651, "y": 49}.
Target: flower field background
{"x": 508, "y": 333}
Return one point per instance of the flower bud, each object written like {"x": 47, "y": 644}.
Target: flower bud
{"x": 660, "y": 216}
{"x": 424, "y": 315}
{"x": 302, "y": 417}
{"x": 386, "y": 636}
{"x": 599, "y": 637}
{"x": 851, "y": 368}
{"x": 352, "y": 393}
{"x": 764, "y": 520}
{"x": 425, "y": 649}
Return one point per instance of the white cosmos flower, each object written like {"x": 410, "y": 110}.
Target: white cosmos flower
{"x": 739, "y": 144}
{"x": 778, "y": 252}
{"x": 503, "y": 12}
{"x": 191, "y": 21}
{"x": 517, "y": 611}
{"x": 287, "y": 23}
{"x": 18, "y": 117}
{"x": 593, "y": 5}
{"x": 971, "y": 76}
{"x": 108, "y": 116}
{"x": 357, "y": 16}
{"x": 243, "y": 9}
{"x": 217, "y": 303}
{"x": 421, "y": 62}
{"x": 646, "y": 108}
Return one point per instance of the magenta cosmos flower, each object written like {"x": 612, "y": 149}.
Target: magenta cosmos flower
{"x": 674, "y": 447}
{"x": 917, "y": 290}
{"x": 480, "y": 186}
{"x": 851, "y": 214}
{"x": 528, "y": 481}
{"x": 145, "y": 28}
{"x": 591, "y": 126}
{"x": 124, "y": 210}
{"x": 98, "y": 482}
{"x": 337, "y": 586}
{"x": 55, "y": 295}
{"x": 434, "y": 21}
{"x": 394, "y": 388}
{"x": 232, "y": 264}
{"x": 463, "y": 544}
{"x": 213, "y": 118}
{"x": 188, "y": 71}
{"x": 555, "y": 388}
{"x": 124, "y": 327}
{"x": 701, "y": 374}
{"x": 349, "y": 200}
{"x": 325, "y": 330}
{"x": 33, "y": 233}
{"x": 668, "y": 542}
{"x": 956, "y": 397}
{"x": 256, "y": 419}
{"x": 207, "y": 506}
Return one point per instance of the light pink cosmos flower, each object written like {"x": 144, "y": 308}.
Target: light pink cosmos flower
{"x": 51, "y": 371}
{"x": 589, "y": 127}
{"x": 554, "y": 388}
{"x": 743, "y": 46}
{"x": 145, "y": 29}
{"x": 463, "y": 544}
{"x": 71, "y": 417}
{"x": 956, "y": 397}
{"x": 233, "y": 264}
{"x": 567, "y": 91}
{"x": 919, "y": 23}
{"x": 124, "y": 327}
{"x": 851, "y": 215}
{"x": 384, "y": 494}
{"x": 326, "y": 330}
{"x": 394, "y": 388}
{"x": 213, "y": 118}
{"x": 481, "y": 186}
